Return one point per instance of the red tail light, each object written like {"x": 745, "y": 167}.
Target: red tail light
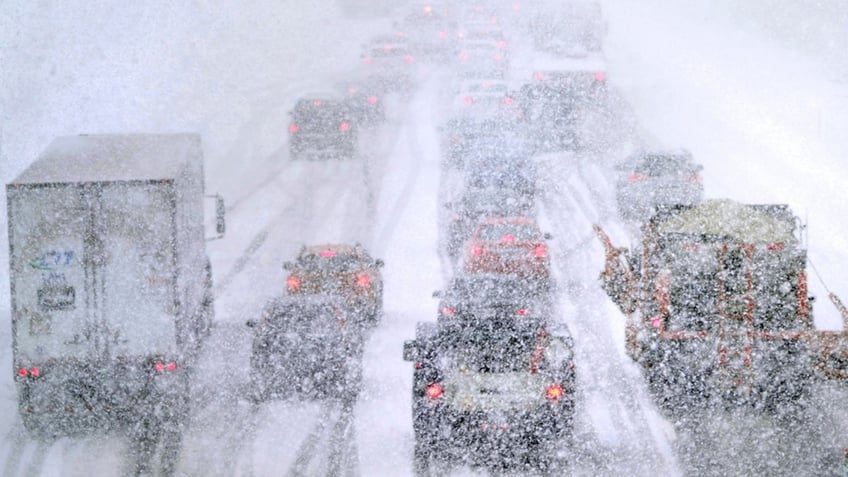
{"x": 443, "y": 35}
{"x": 501, "y": 44}
{"x": 448, "y": 311}
{"x": 372, "y": 100}
{"x": 463, "y": 56}
{"x": 363, "y": 280}
{"x": 328, "y": 253}
{"x": 508, "y": 100}
{"x": 636, "y": 177}
{"x": 22, "y": 372}
{"x": 162, "y": 367}
{"x": 344, "y": 126}
{"x": 508, "y": 238}
{"x": 434, "y": 391}
{"x": 293, "y": 128}
{"x": 352, "y": 90}
{"x": 775, "y": 247}
{"x": 367, "y": 60}
{"x": 477, "y": 251}
{"x": 467, "y": 100}
{"x": 521, "y": 312}
{"x": 600, "y": 76}
{"x": 537, "y": 76}
{"x": 34, "y": 372}
{"x": 695, "y": 178}
{"x": 408, "y": 58}
{"x": 554, "y": 392}
{"x": 293, "y": 283}
{"x": 540, "y": 251}
{"x": 316, "y": 102}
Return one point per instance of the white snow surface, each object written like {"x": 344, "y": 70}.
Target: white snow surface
{"x": 759, "y": 100}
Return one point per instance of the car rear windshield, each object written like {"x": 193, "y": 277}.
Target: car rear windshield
{"x": 663, "y": 166}
{"x": 319, "y": 114}
{"x": 506, "y": 232}
{"x": 491, "y": 346}
{"x": 328, "y": 263}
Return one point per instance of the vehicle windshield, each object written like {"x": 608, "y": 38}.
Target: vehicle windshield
{"x": 328, "y": 263}
{"x": 663, "y": 165}
{"x": 319, "y": 114}
{"x": 507, "y": 232}
{"x": 491, "y": 346}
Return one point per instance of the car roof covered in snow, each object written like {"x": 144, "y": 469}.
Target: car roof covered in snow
{"x": 726, "y": 218}
{"x": 113, "y": 157}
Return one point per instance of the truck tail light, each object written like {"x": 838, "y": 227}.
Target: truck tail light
{"x": 434, "y": 391}
{"x": 554, "y": 392}
{"x": 161, "y": 367}
{"x": 293, "y": 128}
{"x": 540, "y": 251}
{"x": 363, "y": 280}
{"x": 344, "y": 126}
{"x": 636, "y": 177}
{"x": 293, "y": 283}
{"x": 477, "y": 251}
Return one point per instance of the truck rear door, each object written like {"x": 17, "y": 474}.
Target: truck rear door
{"x": 50, "y": 284}
{"x": 138, "y": 274}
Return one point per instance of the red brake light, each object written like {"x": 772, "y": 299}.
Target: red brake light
{"x": 540, "y": 251}
{"x": 372, "y": 100}
{"x": 22, "y": 372}
{"x": 554, "y": 392}
{"x": 434, "y": 391}
{"x": 159, "y": 367}
{"x": 508, "y": 100}
{"x": 467, "y": 100}
{"x": 477, "y": 251}
{"x": 408, "y": 58}
{"x": 501, "y": 44}
{"x": 293, "y": 128}
{"x": 448, "y": 311}
{"x": 363, "y": 280}
{"x": 636, "y": 177}
{"x": 600, "y": 76}
{"x": 316, "y": 102}
{"x": 521, "y": 312}
{"x": 34, "y": 372}
{"x": 508, "y": 238}
{"x": 537, "y": 76}
{"x": 344, "y": 126}
{"x": 328, "y": 253}
{"x": 171, "y": 366}
{"x": 367, "y": 60}
{"x": 775, "y": 247}
{"x": 293, "y": 283}
{"x": 463, "y": 56}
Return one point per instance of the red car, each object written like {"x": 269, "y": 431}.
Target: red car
{"x": 342, "y": 270}
{"x": 512, "y": 246}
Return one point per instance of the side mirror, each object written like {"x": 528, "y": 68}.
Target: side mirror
{"x": 379, "y": 263}
{"x": 220, "y": 221}
{"x": 547, "y": 236}
{"x": 410, "y": 350}
{"x": 437, "y": 294}
{"x": 220, "y": 211}
{"x": 250, "y": 323}
{"x": 288, "y": 265}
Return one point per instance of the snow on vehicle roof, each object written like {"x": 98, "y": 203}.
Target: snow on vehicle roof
{"x": 539, "y": 61}
{"x": 113, "y": 157}
{"x": 727, "y": 218}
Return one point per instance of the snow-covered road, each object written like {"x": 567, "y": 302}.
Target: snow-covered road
{"x": 764, "y": 119}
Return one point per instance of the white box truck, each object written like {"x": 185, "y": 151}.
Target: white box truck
{"x": 110, "y": 282}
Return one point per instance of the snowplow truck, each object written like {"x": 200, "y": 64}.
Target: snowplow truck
{"x": 717, "y": 308}
{"x": 110, "y": 282}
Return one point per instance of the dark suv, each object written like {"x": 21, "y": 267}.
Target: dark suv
{"x": 495, "y": 392}
{"x": 322, "y": 126}
{"x": 305, "y": 347}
